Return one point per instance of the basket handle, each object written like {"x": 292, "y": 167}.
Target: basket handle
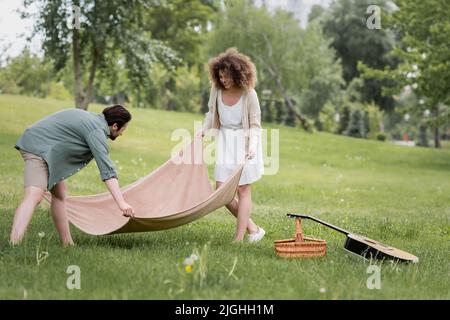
{"x": 298, "y": 230}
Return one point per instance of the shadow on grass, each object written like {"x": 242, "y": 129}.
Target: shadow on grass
{"x": 182, "y": 238}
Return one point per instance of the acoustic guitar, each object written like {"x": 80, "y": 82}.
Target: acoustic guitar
{"x": 363, "y": 246}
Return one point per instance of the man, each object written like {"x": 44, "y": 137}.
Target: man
{"x": 59, "y": 146}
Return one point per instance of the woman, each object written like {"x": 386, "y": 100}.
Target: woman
{"x": 234, "y": 110}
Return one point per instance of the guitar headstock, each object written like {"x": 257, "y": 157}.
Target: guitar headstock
{"x": 291, "y": 215}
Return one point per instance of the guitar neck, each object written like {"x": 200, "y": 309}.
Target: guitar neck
{"x": 329, "y": 225}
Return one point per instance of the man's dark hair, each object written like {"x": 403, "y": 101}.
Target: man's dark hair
{"x": 116, "y": 114}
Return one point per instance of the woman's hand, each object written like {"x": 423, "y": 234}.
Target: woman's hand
{"x": 199, "y": 134}
{"x": 250, "y": 154}
{"x": 127, "y": 210}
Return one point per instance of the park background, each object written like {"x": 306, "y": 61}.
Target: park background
{"x": 361, "y": 102}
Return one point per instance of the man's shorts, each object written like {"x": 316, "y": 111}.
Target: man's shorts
{"x": 36, "y": 170}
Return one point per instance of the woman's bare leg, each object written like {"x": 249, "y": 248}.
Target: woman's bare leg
{"x": 233, "y": 208}
{"x": 244, "y": 211}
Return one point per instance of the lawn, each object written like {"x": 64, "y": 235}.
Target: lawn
{"x": 397, "y": 195}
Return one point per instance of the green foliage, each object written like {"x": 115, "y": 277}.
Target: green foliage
{"x": 316, "y": 12}
{"x": 182, "y": 25}
{"x": 290, "y": 119}
{"x": 356, "y": 127}
{"x": 187, "y": 92}
{"x": 267, "y": 110}
{"x": 373, "y": 118}
{"x": 393, "y": 194}
{"x": 360, "y": 120}
{"x": 327, "y": 119}
{"x": 381, "y": 136}
{"x": 291, "y": 62}
{"x": 370, "y": 114}
{"x": 58, "y": 91}
{"x": 280, "y": 111}
{"x": 26, "y": 74}
{"x": 345, "y": 23}
{"x": 344, "y": 119}
{"x": 109, "y": 30}
{"x": 405, "y": 130}
{"x": 423, "y": 136}
{"x": 176, "y": 91}
{"x": 325, "y": 81}
{"x": 424, "y": 30}
{"x": 157, "y": 95}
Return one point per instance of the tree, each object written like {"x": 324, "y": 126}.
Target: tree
{"x": 110, "y": 32}
{"x": 324, "y": 74}
{"x": 344, "y": 119}
{"x": 373, "y": 118}
{"x": 423, "y": 139}
{"x": 286, "y": 56}
{"x": 26, "y": 74}
{"x": 345, "y": 23}
{"x": 181, "y": 25}
{"x": 290, "y": 119}
{"x": 356, "y": 126}
{"x": 316, "y": 12}
{"x": 424, "y": 29}
{"x": 280, "y": 111}
{"x": 327, "y": 119}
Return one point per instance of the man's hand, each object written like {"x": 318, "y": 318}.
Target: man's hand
{"x": 127, "y": 210}
{"x": 113, "y": 187}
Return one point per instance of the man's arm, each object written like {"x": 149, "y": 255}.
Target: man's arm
{"x": 99, "y": 147}
{"x": 113, "y": 187}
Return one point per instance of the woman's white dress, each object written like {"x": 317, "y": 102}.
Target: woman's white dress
{"x": 230, "y": 150}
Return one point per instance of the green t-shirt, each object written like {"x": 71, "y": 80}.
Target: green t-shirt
{"x": 67, "y": 140}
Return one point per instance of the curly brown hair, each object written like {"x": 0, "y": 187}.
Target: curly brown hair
{"x": 239, "y": 66}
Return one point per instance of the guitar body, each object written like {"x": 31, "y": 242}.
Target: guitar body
{"x": 363, "y": 246}
{"x": 371, "y": 249}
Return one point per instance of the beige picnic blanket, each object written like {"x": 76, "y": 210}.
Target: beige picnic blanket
{"x": 176, "y": 193}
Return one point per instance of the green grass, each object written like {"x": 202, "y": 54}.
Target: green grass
{"x": 397, "y": 195}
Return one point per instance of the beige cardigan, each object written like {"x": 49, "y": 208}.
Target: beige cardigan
{"x": 251, "y": 117}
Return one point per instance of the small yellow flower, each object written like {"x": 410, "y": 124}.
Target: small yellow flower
{"x": 188, "y": 268}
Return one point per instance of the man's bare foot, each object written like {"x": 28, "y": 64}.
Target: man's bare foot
{"x": 68, "y": 244}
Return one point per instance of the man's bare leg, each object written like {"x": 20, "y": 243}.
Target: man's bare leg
{"x": 59, "y": 214}
{"x": 24, "y": 212}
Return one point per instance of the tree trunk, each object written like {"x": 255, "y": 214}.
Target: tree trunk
{"x": 90, "y": 84}
{"x": 291, "y": 107}
{"x": 76, "y": 50}
{"x": 437, "y": 137}
{"x": 273, "y": 70}
{"x": 276, "y": 76}
{"x": 423, "y": 139}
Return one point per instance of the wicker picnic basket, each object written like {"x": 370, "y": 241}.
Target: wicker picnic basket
{"x": 300, "y": 246}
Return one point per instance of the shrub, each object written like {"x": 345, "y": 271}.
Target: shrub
{"x": 381, "y": 136}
